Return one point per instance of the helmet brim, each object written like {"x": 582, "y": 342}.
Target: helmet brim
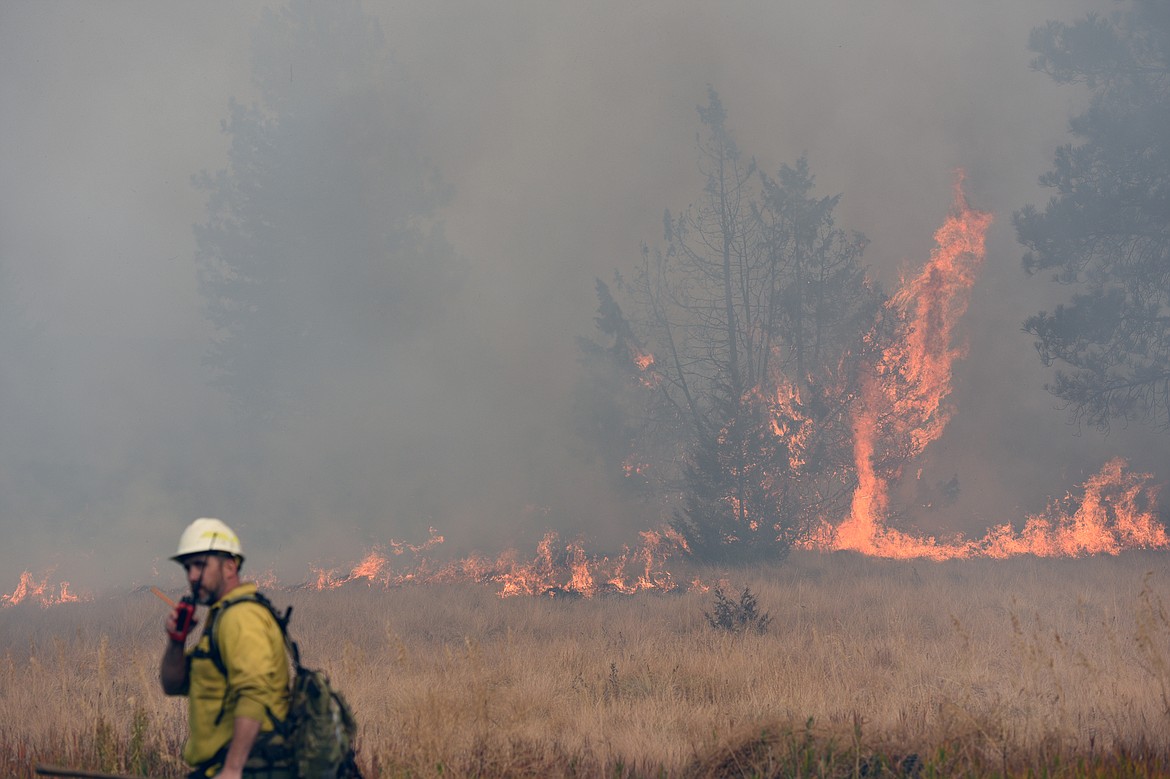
{"x": 179, "y": 558}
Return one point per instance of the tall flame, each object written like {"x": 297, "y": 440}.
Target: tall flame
{"x": 902, "y": 407}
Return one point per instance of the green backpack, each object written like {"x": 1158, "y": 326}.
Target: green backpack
{"x": 320, "y": 728}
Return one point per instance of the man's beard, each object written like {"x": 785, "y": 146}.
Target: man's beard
{"x": 201, "y": 596}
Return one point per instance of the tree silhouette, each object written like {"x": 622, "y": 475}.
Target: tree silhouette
{"x": 1106, "y": 230}
{"x": 321, "y": 248}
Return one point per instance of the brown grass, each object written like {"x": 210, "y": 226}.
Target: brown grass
{"x": 1023, "y": 667}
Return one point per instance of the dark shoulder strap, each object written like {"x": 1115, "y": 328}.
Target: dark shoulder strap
{"x": 256, "y": 597}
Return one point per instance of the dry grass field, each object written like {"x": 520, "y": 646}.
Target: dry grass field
{"x": 869, "y": 667}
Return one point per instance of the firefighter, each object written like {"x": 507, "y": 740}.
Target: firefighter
{"x": 235, "y": 678}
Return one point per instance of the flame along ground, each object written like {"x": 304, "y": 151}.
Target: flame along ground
{"x": 557, "y": 568}
{"x": 902, "y": 407}
{"x": 32, "y": 590}
{"x": 1113, "y": 512}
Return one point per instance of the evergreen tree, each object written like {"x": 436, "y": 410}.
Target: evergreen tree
{"x": 1105, "y": 232}
{"x": 321, "y": 250}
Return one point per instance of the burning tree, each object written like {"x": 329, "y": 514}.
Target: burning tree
{"x": 732, "y": 380}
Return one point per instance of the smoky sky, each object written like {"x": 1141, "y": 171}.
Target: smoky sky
{"x": 563, "y": 131}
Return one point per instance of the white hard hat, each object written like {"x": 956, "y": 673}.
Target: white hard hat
{"x": 208, "y": 535}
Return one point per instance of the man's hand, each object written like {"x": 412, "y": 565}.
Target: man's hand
{"x": 181, "y": 620}
{"x": 172, "y": 672}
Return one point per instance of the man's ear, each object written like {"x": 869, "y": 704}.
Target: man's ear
{"x": 230, "y": 564}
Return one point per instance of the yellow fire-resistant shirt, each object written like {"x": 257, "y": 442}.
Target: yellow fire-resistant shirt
{"x": 252, "y": 648}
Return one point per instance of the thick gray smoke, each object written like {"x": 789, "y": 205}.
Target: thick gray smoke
{"x": 563, "y": 130}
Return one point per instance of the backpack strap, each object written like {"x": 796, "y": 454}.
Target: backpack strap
{"x": 213, "y": 654}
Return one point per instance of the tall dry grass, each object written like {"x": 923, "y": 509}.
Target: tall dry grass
{"x": 976, "y": 667}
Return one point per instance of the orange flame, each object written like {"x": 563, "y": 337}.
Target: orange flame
{"x": 902, "y": 407}
{"x": 789, "y": 424}
{"x": 557, "y": 569}
{"x": 41, "y": 592}
{"x": 642, "y": 359}
{"x": 374, "y": 568}
{"x": 633, "y": 468}
{"x": 648, "y": 377}
{"x": 1115, "y": 512}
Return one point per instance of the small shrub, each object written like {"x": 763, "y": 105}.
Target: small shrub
{"x": 737, "y": 617}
